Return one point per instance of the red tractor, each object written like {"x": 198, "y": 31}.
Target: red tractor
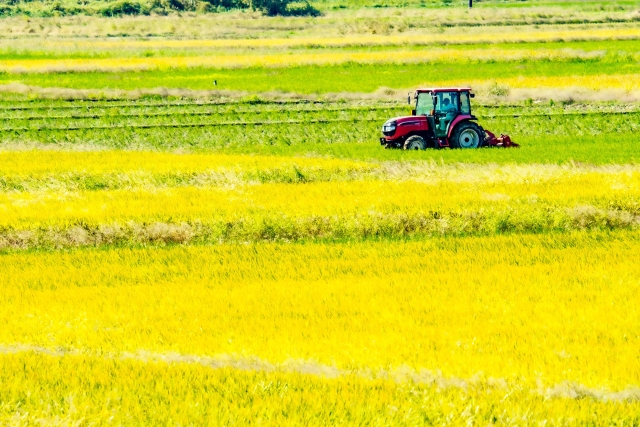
{"x": 442, "y": 118}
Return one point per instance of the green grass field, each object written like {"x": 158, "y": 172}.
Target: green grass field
{"x": 312, "y": 80}
{"x": 589, "y": 133}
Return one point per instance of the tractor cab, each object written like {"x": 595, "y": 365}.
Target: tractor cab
{"x": 442, "y": 106}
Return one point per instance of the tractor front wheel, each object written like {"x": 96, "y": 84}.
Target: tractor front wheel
{"x": 415, "y": 142}
{"x": 467, "y": 135}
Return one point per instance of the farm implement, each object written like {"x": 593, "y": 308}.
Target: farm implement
{"x": 441, "y": 118}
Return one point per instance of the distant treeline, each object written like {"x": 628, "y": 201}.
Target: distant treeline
{"x": 48, "y": 8}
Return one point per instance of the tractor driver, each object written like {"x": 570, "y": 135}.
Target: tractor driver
{"x": 449, "y": 111}
{"x": 447, "y": 106}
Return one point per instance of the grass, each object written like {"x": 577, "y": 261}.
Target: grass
{"x": 280, "y": 60}
{"x": 605, "y": 38}
{"x": 310, "y": 79}
{"x": 589, "y": 133}
{"x": 553, "y": 149}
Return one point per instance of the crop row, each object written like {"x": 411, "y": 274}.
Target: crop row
{"x": 75, "y": 127}
{"x": 615, "y": 75}
{"x": 73, "y": 171}
{"x": 200, "y": 137}
{"x": 323, "y": 128}
{"x": 341, "y": 140}
{"x": 320, "y": 210}
{"x": 68, "y": 171}
{"x": 237, "y": 113}
{"x": 191, "y": 118}
{"x": 305, "y": 58}
{"x": 166, "y": 112}
{"x": 40, "y": 385}
{"x": 10, "y": 107}
{"x": 122, "y": 47}
{"x": 357, "y": 305}
{"x": 106, "y": 105}
{"x": 378, "y": 225}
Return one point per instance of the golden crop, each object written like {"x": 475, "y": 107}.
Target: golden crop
{"x": 21, "y": 210}
{"x": 455, "y": 305}
{"x": 621, "y": 82}
{"x": 519, "y": 326}
{"x": 38, "y": 164}
{"x": 182, "y": 203}
{"x": 231, "y": 60}
{"x": 95, "y": 198}
{"x": 124, "y": 391}
{"x": 542, "y": 319}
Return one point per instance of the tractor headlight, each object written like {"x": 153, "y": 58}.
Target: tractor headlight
{"x": 389, "y": 128}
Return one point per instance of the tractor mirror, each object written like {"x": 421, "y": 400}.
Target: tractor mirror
{"x": 472, "y": 95}
{"x": 413, "y": 112}
{"x": 409, "y": 99}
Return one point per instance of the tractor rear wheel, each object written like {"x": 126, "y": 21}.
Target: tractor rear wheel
{"x": 467, "y": 135}
{"x": 415, "y": 142}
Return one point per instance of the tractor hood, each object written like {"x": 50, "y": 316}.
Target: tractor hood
{"x": 399, "y": 126}
{"x": 403, "y": 121}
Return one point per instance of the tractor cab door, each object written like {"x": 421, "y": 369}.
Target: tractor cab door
{"x": 446, "y": 109}
{"x": 425, "y": 107}
{"x": 465, "y": 103}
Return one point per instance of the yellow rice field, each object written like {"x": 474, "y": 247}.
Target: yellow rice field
{"x": 508, "y": 324}
{"x": 102, "y": 189}
{"x": 128, "y": 391}
{"x": 471, "y": 308}
{"x": 224, "y": 61}
{"x": 40, "y": 164}
{"x": 338, "y": 322}
{"x": 626, "y": 83}
{"x": 36, "y": 209}
{"x": 486, "y": 313}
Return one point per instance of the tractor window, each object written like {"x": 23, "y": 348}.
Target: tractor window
{"x": 424, "y": 104}
{"x": 447, "y": 102}
{"x": 465, "y": 104}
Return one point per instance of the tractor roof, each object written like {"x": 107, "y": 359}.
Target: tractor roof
{"x": 447, "y": 89}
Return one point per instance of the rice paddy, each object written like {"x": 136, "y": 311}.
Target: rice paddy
{"x": 198, "y": 225}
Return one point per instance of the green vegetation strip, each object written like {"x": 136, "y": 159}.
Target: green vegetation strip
{"x": 114, "y": 103}
{"x": 197, "y": 113}
{"x": 187, "y": 125}
{"x": 252, "y": 112}
{"x": 359, "y": 78}
{"x": 515, "y": 219}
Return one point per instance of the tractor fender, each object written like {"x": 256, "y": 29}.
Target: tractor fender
{"x": 458, "y": 119}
